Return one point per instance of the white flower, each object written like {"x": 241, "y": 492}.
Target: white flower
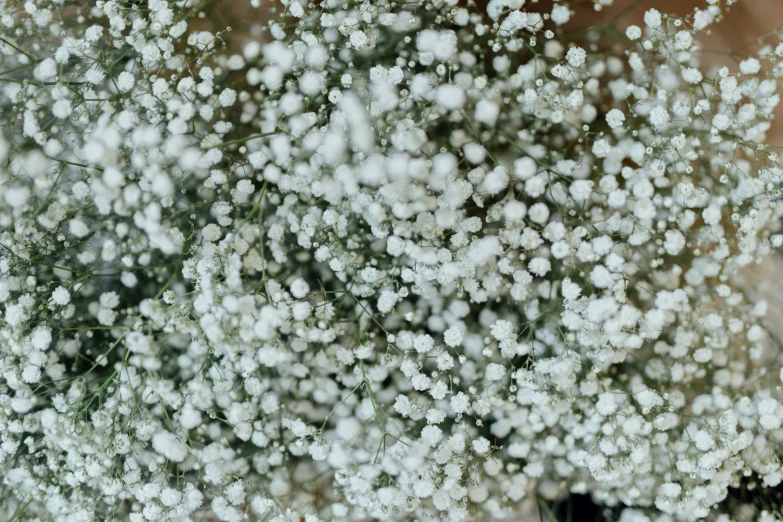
{"x": 41, "y": 338}
{"x": 359, "y": 39}
{"x": 539, "y": 213}
{"x": 121, "y": 443}
{"x": 46, "y": 70}
{"x": 78, "y": 227}
{"x": 691, "y": 75}
{"x": 561, "y": 14}
{"x": 496, "y": 180}
{"x": 481, "y": 446}
{"x": 92, "y": 34}
{"x": 487, "y": 112}
{"x": 450, "y": 97}
{"x": 615, "y": 118}
{"x": 423, "y": 343}
{"x": 576, "y": 56}
{"x": 432, "y": 435}
{"x": 659, "y": 117}
{"x": 453, "y": 337}
{"x": 750, "y": 66}
{"x": 61, "y": 296}
{"x": 211, "y": 232}
{"x": 459, "y": 403}
{"x": 387, "y": 301}
{"x": 300, "y": 288}
{"x": 228, "y": 97}
{"x": 17, "y": 196}
{"x": 62, "y": 109}
{"x": 671, "y": 489}
{"x": 581, "y": 190}
{"x": 601, "y": 148}
{"x": 633, "y": 32}
{"x": 166, "y": 443}
{"x": 319, "y": 450}
{"x": 502, "y": 330}
{"x": 674, "y": 242}
{"x": 652, "y": 18}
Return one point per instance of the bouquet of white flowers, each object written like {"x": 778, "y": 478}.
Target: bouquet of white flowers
{"x": 394, "y": 260}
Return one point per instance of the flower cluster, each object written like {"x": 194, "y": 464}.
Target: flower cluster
{"x": 392, "y": 261}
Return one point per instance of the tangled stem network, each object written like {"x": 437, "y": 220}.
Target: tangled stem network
{"x": 419, "y": 260}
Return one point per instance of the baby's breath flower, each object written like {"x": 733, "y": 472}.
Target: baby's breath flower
{"x": 384, "y": 261}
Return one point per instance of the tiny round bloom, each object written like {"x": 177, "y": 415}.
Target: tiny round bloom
{"x": 502, "y": 330}
{"x": 538, "y": 213}
{"x": 481, "y": 446}
{"x": 576, "y": 56}
{"x": 633, "y": 32}
{"x": 300, "y": 288}
{"x": 423, "y": 343}
{"x": 615, "y": 118}
{"x": 652, "y": 18}
{"x": 92, "y": 34}
{"x": 17, "y": 196}
{"x": 750, "y": 66}
{"x": 121, "y": 443}
{"x": 41, "y": 337}
{"x": 453, "y": 336}
{"x": 581, "y": 190}
{"x": 62, "y": 108}
{"x": 561, "y": 14}
{"x": 167, "y": 444}
{"x": 450, "y": 97}
{"x": 211, "y": 232}
{"x": 359, "y": 39}
{"x": 659, "y": 117}
{"x": 61, "y": 296}
{"x": 692, "y": 75}
{"x": 487, "y": 112}
{"x": 228, "y": 97}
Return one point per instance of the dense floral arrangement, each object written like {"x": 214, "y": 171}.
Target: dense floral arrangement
{"x": 418, "y": 260}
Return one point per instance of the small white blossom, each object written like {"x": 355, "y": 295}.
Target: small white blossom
{"x": 615, "y": 118}
{"x": 652, "y": 18}
{"x": 61, "y": 296}
{"x": 576, "y": 56}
